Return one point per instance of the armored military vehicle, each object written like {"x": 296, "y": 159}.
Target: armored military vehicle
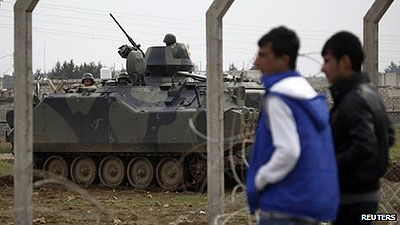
{"x": 148, "y": 129}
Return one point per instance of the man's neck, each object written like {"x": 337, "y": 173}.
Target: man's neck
{"x": 279, "y": 71}
{"x": 349, "y": 74}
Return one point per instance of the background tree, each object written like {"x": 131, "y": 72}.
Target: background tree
{"x": 232, "y": 67}
{"x": 68, "y": 70}
{"x": 392, "y": 68}
{"x": 37, "y": 73}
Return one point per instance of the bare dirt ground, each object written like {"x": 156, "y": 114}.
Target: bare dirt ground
{"x": 57, "y": 205}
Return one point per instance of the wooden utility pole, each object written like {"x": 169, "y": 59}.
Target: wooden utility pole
{"x": 215, "y": 117}
{"x": 371, "y": 38}
{"x": 23, "y": 86}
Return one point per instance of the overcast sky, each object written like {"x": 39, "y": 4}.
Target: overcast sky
{"x": 83, "y": 30}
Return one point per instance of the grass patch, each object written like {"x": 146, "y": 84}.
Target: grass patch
{"x": 5, "y": 147}
{"x": 6, "y": 167}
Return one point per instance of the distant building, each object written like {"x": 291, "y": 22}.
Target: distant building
{"x": 389, "y": 79}
{"x": 6, "y": 82}
{"x": 253, "y": 75}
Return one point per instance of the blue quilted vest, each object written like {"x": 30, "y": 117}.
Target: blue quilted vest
{"x": 311, "y": 188}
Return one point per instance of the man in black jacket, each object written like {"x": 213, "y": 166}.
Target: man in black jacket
{"x": 362, "y": 132}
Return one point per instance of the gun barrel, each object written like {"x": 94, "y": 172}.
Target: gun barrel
{"x": 126, "y": 34}
{"x": 121, "y": 27}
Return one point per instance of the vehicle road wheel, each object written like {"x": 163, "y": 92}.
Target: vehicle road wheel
{"x": 140, "y": 172}
{"x": 112, "y": 171}
{"x": 169, "y": 173}
{"x": 83, "y": 171}
{"x": 198, "y": 167}
{"x": 56, "y": 166}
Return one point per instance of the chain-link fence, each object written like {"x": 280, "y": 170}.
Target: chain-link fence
{"x": 390, "y": 190}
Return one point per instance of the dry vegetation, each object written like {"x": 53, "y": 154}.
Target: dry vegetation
{"x": 55, "y": 205}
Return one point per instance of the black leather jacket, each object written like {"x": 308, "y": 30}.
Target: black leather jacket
{"x": 362, "y": 134}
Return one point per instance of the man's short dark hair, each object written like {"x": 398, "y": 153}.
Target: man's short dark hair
{"x": 345, "y": 43}
{"x": 283, "y": 42}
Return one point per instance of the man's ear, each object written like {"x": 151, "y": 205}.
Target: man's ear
{"x": 286, "y": 59}
{"x": 346, "y": 63}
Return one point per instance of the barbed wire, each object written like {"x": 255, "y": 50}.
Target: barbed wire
{"x": 390, "y": 189}
{"x": 63, "y": 182}
{"x": 11, "y": 54}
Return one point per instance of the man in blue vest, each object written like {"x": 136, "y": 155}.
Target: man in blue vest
{"x": 292, "y": 176}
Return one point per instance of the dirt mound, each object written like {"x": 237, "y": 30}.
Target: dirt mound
{"x": 7, "y": 181}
